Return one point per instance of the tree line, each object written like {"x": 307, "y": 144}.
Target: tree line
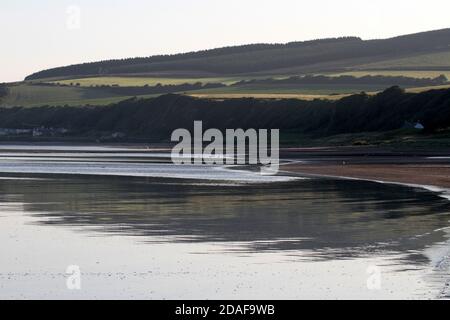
{"x": 3, "y": 90}
{"x": 142, "y": 90}
{"x": 156, "y": 118}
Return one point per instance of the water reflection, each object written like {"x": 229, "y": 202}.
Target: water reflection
{"x": 329, "y": 218}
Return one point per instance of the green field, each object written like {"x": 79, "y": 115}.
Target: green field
{"x": 422, "y": 55}
{"x": 293, "y": 89}
{"x": 306, "y": 94}
{"x": 404, "y": 73}
{"x": 152, "y": 81}
{"x": 435, "y": 60}
{"x": 36, "y": 95}
{"x": 30, "y": 95}
{"x": 142, "y": 81}
{"x": 220, "y": 96}
{"x": 422, "y": 89}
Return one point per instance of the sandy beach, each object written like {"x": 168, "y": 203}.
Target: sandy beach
{"x": 159, "y": 231}
{"x": 417, "y": 174}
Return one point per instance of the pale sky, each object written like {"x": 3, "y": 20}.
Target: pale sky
{"x": 36, "y": 35}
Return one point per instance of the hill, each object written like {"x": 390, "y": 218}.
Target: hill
{"x": 155, "y": 119}
{"x": 326, "y": 55}
{"x": 72, "y": 93}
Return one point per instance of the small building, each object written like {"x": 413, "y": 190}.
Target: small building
{"x": 419, "y": 126}
{"x": 413, "y": 125}
{"x": 118, "y": 135}
{"x": 37, "y": 132}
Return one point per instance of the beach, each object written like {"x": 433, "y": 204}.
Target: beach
{"x": 424, "y": 168}
{"x": 137, "y": 226}
{"x": 417, "y": 174}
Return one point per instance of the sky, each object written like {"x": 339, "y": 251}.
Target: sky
{"x": 37, "y": 35}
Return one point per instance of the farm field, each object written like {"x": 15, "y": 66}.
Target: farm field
{"x": 435, "y": 60}
{"x": 422, "y": 89}
{"x": 142, "y": 81}
{"x": 315, "y": 89}
{"x": 87, "y": 102}
{"x": 81, "y": 91}
{"x": 152, "y": 81}
{"x": 302, "y": 96}
{"x": 267, "y": 96}
{"x": 32, "y": 96}
{"x": 395, "y": 73}
{"x": 29, "y": 95}
{"x": 25, "y": 95}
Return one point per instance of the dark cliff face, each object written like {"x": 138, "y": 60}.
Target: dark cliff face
{"x": 158, "y": 117}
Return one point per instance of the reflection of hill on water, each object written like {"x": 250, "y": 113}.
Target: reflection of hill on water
{"x": 333, "y": 217}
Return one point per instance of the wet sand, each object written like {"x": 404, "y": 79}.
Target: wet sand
{"x": 149, "y": 238}
{"x": 437, "y": 175}
{"x": 156, "y": 231}
{"x": 403, "y": 166}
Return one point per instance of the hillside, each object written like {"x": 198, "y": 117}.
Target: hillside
{"x": 156, "y": 118}
{"x": 319, "y": 69}
{"x": 408, "y": 52}
{"x": 86, "y": 93}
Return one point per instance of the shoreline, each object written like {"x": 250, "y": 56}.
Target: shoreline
{"x": 432, "y": 177}
{"x": 415, "y": 168}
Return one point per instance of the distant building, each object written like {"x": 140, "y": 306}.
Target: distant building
{"x": 413, "y": 125}
{"x": 419, "y": 126}
{"x": 14, "y": 132}
{"x": 36, "y": 132}
{"x": 118, "y": 135}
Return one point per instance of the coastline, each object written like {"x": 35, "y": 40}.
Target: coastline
{"x": 84, "y": 200}
{"x": 433, "y": 177}
{"x": 428, "y": 169}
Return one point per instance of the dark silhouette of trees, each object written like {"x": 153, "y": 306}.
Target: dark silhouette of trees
{"x": 156, "y": 118}
{"x": 143, "y": 90}
{"x": 3, "y": 90}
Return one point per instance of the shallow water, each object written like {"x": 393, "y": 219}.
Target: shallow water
{"x": 208, "y": 232}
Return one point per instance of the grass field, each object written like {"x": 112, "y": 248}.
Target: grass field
{"x": 293, "y": 89}
{"x": 32, "y": 95}
{"x": 142, "y": 81}
{"x": 152, "y": 81}
{"x": 405, "y": 73}
{"x": 303, "y": 96}
{"x": 439, "y": 59}
{"x": 27, "y": 95}
{"x": 422, "y": 89}
{"x": 266, "y": 96}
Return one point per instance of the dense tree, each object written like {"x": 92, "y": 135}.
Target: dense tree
{"x": 144, "y": 90}
{"x": 157, "y": 118}
{"x": 3, "y": 90}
